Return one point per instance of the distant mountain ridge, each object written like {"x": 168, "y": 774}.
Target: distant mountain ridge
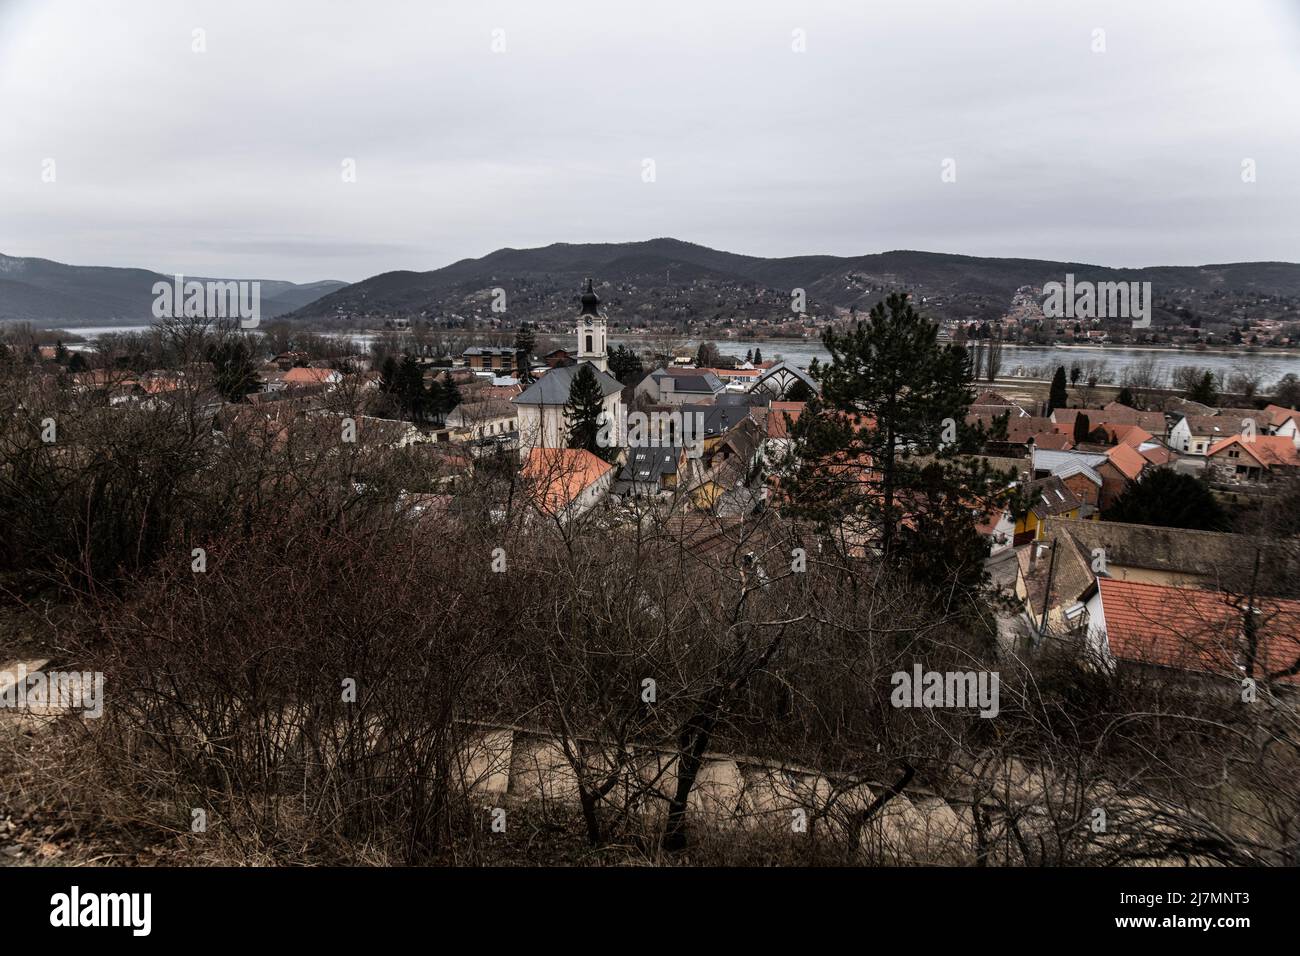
{"x": 41, "y": 290}
{"x": 545, "y": 280}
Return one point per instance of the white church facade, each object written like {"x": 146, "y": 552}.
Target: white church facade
{"x": 543, "y": 418}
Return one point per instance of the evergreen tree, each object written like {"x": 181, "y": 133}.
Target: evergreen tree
{"x": 436, "y": 400}
{"x": 1081, "y": 428}
{"x": 1169, "y": 499}
{"x": 1059, "y": 397}
{"x": 1204, "y": 391}
{"x": 889, "y": 391}
{"x": 450, "y": 392}
{"x": 798, "y": 392}
{"x": 410, "y": 387}
{"x": 749, "y": 356}
{"x": 624, "y": 365}
{"x": 584, "y": 411}
{"x": 77, "y": 363}
{"x": 525, "y": 342}
{"x": 234, "y": 374}
{"x": 1125, "y": 397}
{"x": 758, "y": 356}
{"x": 388, "y": 376}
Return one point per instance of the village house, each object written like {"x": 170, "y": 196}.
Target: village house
{"x": 679, "y": 386}
{"x": 1284, "y": 421}
{"x": 1044, "y": 498}
{"x": 1194, "y": 434}
{"x": 489, "y": 358}
{"x": 1250, "y": 460}
{"x": 566, "y": 483}
{"x": 489, "y": 418}
{"x": 1198, "y": 632}
{"x": 650, "y": 470}
{"x": 1122, "y": 466}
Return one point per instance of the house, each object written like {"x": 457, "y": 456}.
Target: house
{"x": 558, "y": 357}
{"x": 991, "y": 403}
{"x": 1197, "y": 632}
{"x": 650, "y": 470}
{"x": 489, "y": 358}
{"x": 1194, "y": 434}
{"x": 1083, "y": 481}
{"x": 490, "y": 417}
{"x": 1044, "y": 498}
{"x": 300, "y": 375}
{"x": 1134, "y": 435}
{"x": 1284, "y": 421}
{"x": 1248, "y": 460}
{"x": 679, "y": 386}
{"x": 1123, "y": 466}
{"x": 566, "y": 483}
{"x": 1048, "y": 461}
{"x": 1111, "y": 414}
{"x": 1079, "y": 552}
{"x": 736, "y": 376}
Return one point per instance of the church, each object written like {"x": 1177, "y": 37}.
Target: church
{"x": 543, "y": 420}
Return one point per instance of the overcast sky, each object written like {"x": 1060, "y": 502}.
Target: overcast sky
{"x": 231, "y": 161}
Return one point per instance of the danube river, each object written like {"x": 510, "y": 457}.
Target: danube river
{"x": 1034, "y": 362}
{"x": 1039, "y": 362}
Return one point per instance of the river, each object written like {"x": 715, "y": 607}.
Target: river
{"x": 1018, "y": 361}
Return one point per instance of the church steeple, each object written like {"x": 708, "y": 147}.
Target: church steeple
{"x": 590, "y": 301}
{"x": 591, "y": 330}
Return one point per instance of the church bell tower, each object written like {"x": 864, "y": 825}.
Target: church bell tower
{"x": 591, "y": 331}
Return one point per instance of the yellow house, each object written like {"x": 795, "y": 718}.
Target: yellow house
{"x": 1045, "y": 498}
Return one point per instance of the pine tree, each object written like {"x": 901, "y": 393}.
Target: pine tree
{"x": 234, "y": 374}
{"x": 1059, "y": 397}
{"x": 525, "y": 342}
{"x": 388, "y": 376}
{"x": 436, "y": 400}
{"x": 450, "y": 392}
{"x": 624, "y": 365}
{"x": 1169, "y": 499}
{"x": 586, "y": 404}
{"x": 1204, "y": 390}
{"x": 889, "y": 389}
{"x": 758, "y": 356}
{"x": 1125, "y": 397}
{"x": 1081, "y": 428}
{"x": 410, "y": 387}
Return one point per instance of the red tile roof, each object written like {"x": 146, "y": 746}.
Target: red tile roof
{"x": 1133, "y": 435}
{"x": 1197, "y": 630}
{"x": 561, "y": 475}
{"x": 776, "y": 426}
{"x": 1127, "y": 460}
{"x": 1271, "y": 451}
{"x": 1277, "y": 415}
{"x": 308, "y": 376}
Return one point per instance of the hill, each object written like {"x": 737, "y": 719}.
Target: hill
{"x": 667, "y": 282}
{"x": 46, "y": 292}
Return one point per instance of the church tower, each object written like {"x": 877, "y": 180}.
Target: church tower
{"x": 591, "y": 331}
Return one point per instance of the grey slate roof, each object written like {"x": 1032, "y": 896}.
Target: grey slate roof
{"x": 553, "y": 387}
{"x": 694, "y": 382}
{"x": 647, "y": 464}
{"x": 1052, "y": 461}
